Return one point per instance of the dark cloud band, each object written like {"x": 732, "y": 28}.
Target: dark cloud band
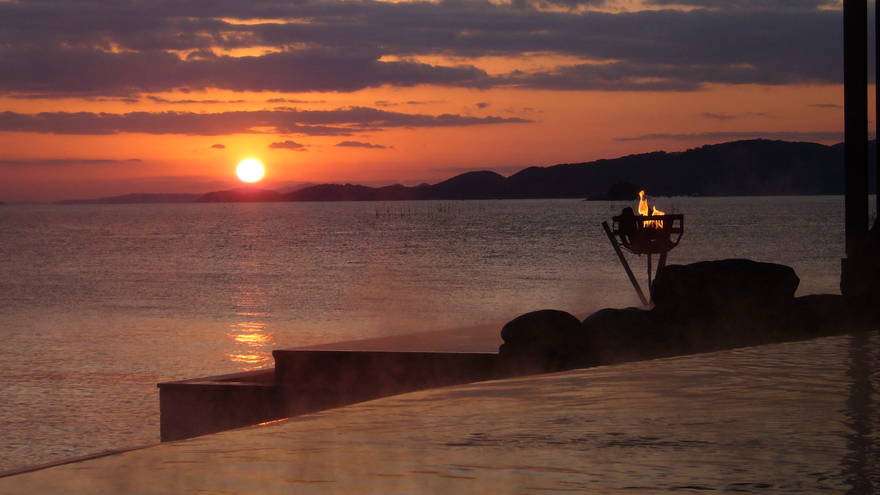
{"x": 287, "y": 145}
{"x": 342, "y": 122}
{"x": 358, "y": 144}
{"x": 128, "y": 48}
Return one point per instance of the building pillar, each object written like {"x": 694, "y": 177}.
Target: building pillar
{"x": 855, "y": 103}
{"x": 859, "y": 270}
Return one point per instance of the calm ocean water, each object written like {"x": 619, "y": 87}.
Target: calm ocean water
{"x": 100, "y": 303}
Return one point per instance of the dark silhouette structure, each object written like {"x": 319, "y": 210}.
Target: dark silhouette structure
{"x": 860, "y": 270}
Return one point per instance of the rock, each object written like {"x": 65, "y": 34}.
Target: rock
{"x": 725, "y": 304}
{"x": 622, "y": 335}
{"x": 703, "y": 307}
{"x": 545, "y": 340}
{"x": 726, "y": 288}
{"x": 818, "y": 315}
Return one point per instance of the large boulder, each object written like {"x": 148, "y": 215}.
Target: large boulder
{"x": 725, "y": 304}
{"x": 545, "y": 340}
{"x": 623, "y": 335}
{"x": 725, "y": 288}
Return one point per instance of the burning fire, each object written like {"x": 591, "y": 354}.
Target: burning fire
{"x": 643, "y": 210}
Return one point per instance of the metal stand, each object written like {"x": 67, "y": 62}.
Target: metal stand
{"x": 629, "y": 272}
{"x": 646, "y": 235}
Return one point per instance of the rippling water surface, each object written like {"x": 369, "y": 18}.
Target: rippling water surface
{"x": 99, "y": 303}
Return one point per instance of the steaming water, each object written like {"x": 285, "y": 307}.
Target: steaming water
{"x": 100, "y": 303}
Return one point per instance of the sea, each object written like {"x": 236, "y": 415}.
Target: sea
{"x": 99, "y": 303}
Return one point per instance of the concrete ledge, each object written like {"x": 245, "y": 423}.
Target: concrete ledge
{"x": 306, "y": 381}
{"x": 189, "y": 408}
{"x": 382, "y": 372}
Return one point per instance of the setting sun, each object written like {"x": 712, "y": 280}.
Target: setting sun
{"x": 249, "y": 170}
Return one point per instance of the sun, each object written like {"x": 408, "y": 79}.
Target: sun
{"x": 250, "y": 170}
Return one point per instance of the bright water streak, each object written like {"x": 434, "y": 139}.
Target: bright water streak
{"x": 99, "y": 303}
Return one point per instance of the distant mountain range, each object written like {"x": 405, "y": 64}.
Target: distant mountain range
{"x": 136, "y": 198}
{"x": 740, "y": 168}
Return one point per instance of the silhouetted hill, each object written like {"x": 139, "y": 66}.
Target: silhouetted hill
{"x": 242, "y": 195}
{"x": 135, "y": 199}
{"x": 350, "y": 192}
{"x": 295, "y": 187}
{"x": 470, "y": 185}
{"x": 741, "y": 168}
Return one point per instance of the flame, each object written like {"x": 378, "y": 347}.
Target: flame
{"x": 643, "y": 210}
{"x": 643, "y": 203}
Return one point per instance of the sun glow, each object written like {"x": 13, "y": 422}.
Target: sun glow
{"x": 249, "y": 170}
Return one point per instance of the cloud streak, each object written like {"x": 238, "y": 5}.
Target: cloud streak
{"x": 341, "y": 122}
{"x": 63, "y": 162}
{"x": 749, "y": 4}
{"x": 733, "y": 136}
{"x": 358, "y": 144}
{"x": 287, "y": 145}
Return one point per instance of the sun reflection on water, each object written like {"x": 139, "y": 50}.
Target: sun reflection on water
{"x": 253, "y": 339}
{"x": 253, "y": 345}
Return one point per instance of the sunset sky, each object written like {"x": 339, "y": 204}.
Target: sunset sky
{"x": 108, "y": 97}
